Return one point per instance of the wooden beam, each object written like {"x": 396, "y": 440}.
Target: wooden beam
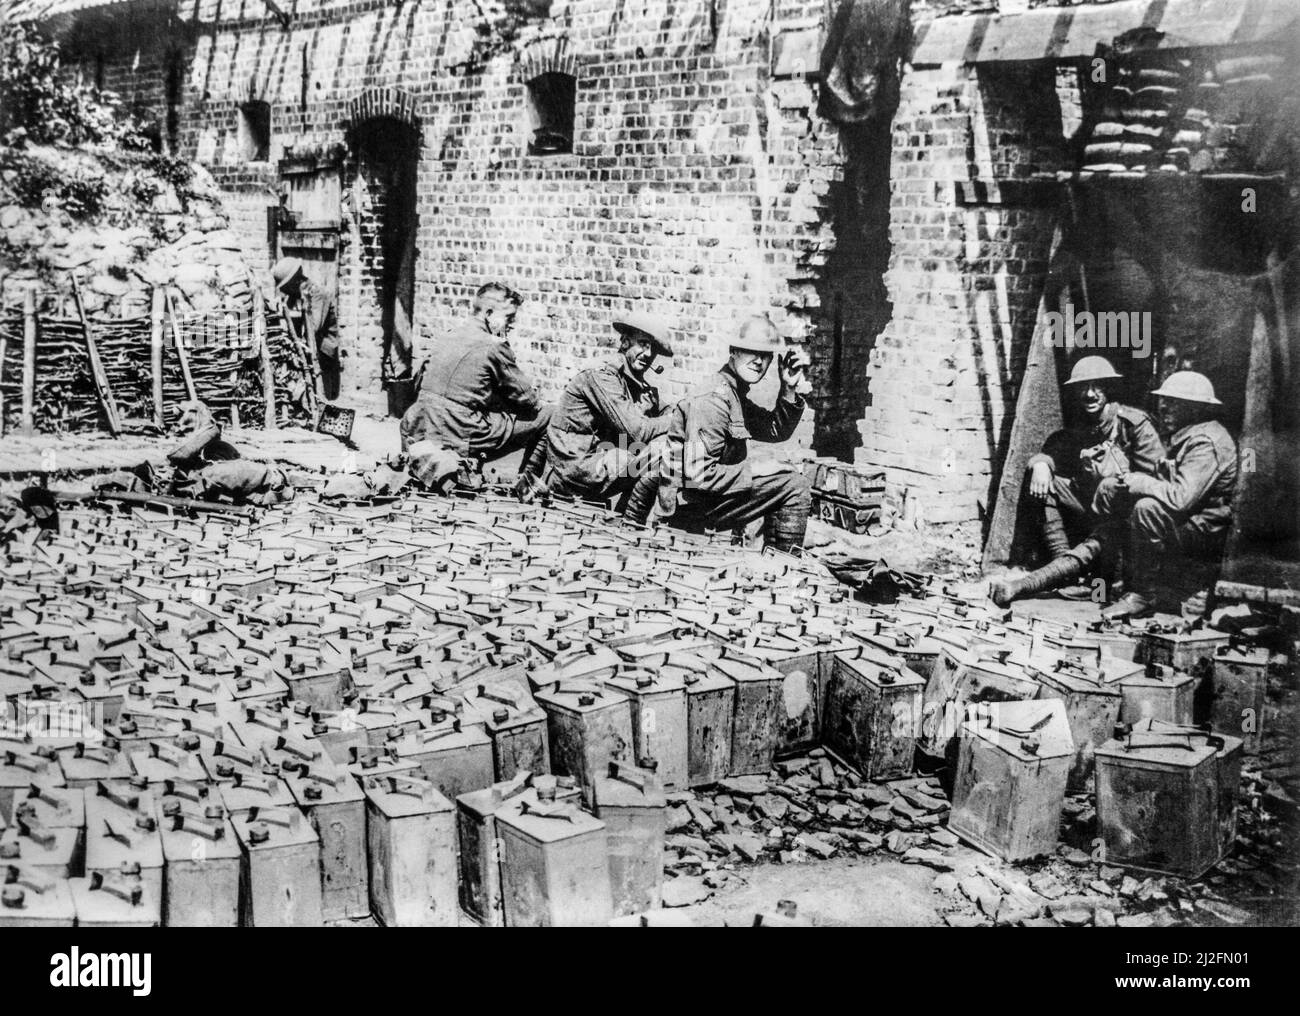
{"x": 264, "y": 353}
{"x": 100, "y": 376}
{"x": 28, "y": 418}
{"x": 1070, "y": 33}
{"x": 1038, "y": 413}
{"x": 156, "y": 313}
{"x": 181, "y": 353}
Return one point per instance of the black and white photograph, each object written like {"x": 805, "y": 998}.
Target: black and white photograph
{"x": 650, "y": 463}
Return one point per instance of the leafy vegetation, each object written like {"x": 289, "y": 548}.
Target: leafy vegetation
{"x": 39, "y": 105}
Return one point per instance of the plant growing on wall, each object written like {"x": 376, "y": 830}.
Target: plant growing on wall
{"x": 500, "y": 24}
{"x": 38, "y": 104}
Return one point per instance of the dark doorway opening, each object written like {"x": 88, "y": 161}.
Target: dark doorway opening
{"x": 388, "y": 162}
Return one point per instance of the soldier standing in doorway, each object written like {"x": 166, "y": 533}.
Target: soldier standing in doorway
{"x": 311, "y": 312}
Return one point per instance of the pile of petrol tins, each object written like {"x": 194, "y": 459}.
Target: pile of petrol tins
{"x": 436, "y": 705}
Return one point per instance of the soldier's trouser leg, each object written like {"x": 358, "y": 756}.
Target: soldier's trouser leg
{"x": 1065, "y": 517}
{"x": 525, "y": 434}
{"x": 415, "y": 425}
{"x": 783, "y": 500}
{"x": 1155, "y": 534}
{"x": 641, "y": 497}
{"x": 331, "y": 375}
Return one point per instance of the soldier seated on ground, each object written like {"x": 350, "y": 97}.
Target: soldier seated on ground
{"x": 711, "y": 478}
{"x": 608, "y": 423}
{"x": 1104, "y": 438}
{"x": 311, "y": 313}
{"x": 1185, "y": 508}
{"x": 473, "y": 399}
{"x": 207, "y": 467}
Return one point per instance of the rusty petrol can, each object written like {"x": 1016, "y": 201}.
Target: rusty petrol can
{"x": 21, "y": 768}
{"x": 1237, "y": 698}
{"x": 657, "y": 700}
{"x": 122, "y": 832}
{"x": 1167, "y": 797}
{"x": 964, "y": 677}
{"x": 634, "y": 809}
{"x": 915, "y": 644}
{"x": 411, "y": 835}
{"x": 554, "y": 865}
{"x": 200, "y": 862}
{"x": 480, "y": 861}
{"x": 1150, "y": 691}
{"x": 710, "y": 716}
{"x": 757, "y": 712}
{"x": 114, "y": 901}
{"x": 335, "y": 806}
{"x": 873, "y": 713}
{"x": 1191, "y": 649}
{"x": 32, "y": 898}
{"x": 1012, "y": 762}
{"x": 456, "y": 754}
{"x": 516, "y": 725}
{"x": 52, "y": 807}
{"x": 799, "y": 663}
{"x": 1091, "y": 705}
{"x": 588, "y": 725}
{"x": 56, "y": 852}
{"x": 280, "y": 880}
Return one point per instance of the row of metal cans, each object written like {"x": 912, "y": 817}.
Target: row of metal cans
{"x": 463, "y": 642}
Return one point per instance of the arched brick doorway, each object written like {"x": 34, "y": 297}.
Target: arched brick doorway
{"x": 384, "y": 135}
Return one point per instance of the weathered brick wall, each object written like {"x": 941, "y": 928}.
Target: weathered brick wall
{"x": 695, "y": 188}
{"x": 964, "y": 282}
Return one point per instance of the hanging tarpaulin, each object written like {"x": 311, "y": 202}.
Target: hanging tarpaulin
{"x": 861, "y": 64}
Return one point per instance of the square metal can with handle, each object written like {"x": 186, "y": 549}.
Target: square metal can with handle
{"x": 554, "y": 865}
{"x": 411, "y": 841}
{"x": 1013, "y": 759}
{"x": 873, "y": 713}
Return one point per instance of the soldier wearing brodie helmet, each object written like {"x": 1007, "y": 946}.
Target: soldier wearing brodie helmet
{"x": 718, "y": 486}
{"x": 1185, "y": 508}
{"x": 1104, "y": 438}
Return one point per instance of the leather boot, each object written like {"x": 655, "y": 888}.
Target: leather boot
{"x": 1057, "y": 572}
{"x": 642, "y": 498}
{"x": 1128, "y": 606}
{"x": 530, "y": 472}
{"x": 1141, "y": 577}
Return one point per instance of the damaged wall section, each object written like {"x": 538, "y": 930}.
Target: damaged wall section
{"x": 964, "y": 280}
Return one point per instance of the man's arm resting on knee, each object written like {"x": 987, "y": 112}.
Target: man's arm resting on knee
{"x": 1187, "y": 479}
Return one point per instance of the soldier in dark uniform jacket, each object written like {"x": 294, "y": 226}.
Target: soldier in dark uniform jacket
{"x": 473, "y": 398}
{"x": 717, "y": 486}
{"x": 600, "y": 435}
{"x": 312, "y": 313}
{"x": 1186, "y": 507}
{"x": 1105, "y": 439}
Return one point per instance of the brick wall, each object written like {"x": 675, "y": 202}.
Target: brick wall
{"x": 695, "y": 188}
{"x": 699, "y": 186}
{"x": 964, "y": 282}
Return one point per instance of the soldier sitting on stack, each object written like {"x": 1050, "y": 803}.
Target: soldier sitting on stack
{"x": 608, "y": 423}
{"x": 473, "y": 399}
{"x": 1185, "y": 508}
{"x": 310, "y": 310}
{"x": 718, "y": 487}
{"x": 1105, "y": 439}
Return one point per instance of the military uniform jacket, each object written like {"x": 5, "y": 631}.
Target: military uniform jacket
{"x": 713, "y": 431}
{"x": 315, "y": 317}
{"x": 1085, "y": 453}
{"x": 472, "y": 388}
{"x": 1197, "y": 480}
{"x": 603, "y": 412}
